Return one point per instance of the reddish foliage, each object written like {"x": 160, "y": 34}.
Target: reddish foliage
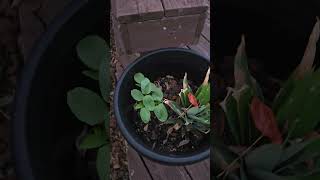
{"x": 265, "y": 121}
{"x": 193, "y": 100}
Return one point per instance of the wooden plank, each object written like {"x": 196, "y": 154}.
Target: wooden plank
{"x": 161, "y": 172}
{"x": 126, "y": 10}
{"x": 200, "y": 26}
{"x": 136, "y": 167}
{"x": 203, "y": 47}
{"x": 206, "y": 29}
{"x": 200, "y": 171}
{"x": 183, "y": 7}
{"x": 137, "y": 10}
{"x": 150, "y": 9}
{"x": 168, "y": 32}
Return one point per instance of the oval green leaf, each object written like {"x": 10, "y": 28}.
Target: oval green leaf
{"x": 138, "y": 77}
{"x": 137, "y": 95}
{"x": 145, "y": 86}
{"x": 161, "y": 112}
{"x": 87, "y": 106}
{"x": 92, "y": 50}
{"x": 103, "y": 162}
{"x": 91, "y": 141}
{"x": 157, "y": 94}
{"x": 145, "y": 115}
{"x": 104, "y": 79}
{"x": 91, "y": 74}
{"x": 148, "y": 102}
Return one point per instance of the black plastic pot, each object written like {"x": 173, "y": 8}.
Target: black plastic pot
{"x": 158, "y": 63}
{"x": 44, "y": 129}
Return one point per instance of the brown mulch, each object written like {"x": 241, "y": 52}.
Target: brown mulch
{"x": 119, "y": 163}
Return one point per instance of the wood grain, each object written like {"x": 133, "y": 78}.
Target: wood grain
{"x": 126, "y": 10}
{"x": 184, "y": 7}
{"x": 150, "y": 9}
{"x": 168, "y": 32}
{"x": 197, "y": 171}
{"x": 161, "y": 172}
{"x": 203, "y": 47}
{"x": 137, "y": 170}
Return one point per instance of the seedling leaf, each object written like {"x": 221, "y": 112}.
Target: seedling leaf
{"x": 137, "y": 95}
{"x": 145, "y": 115}
{"x": 161, "y": 112}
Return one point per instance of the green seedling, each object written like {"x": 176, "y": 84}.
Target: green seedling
{"x": 149, "y": 98}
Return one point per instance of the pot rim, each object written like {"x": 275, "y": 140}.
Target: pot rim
{"x": 164, "y": 159}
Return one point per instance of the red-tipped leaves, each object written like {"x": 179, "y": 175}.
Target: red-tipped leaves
{"x": 265, "y": 121}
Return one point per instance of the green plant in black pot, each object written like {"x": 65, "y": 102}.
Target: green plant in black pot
{"x": 278, "y": 140}
{"x": 149, "y": 99}
{"x": 90, "y": 107}
{"x": 191, "y": 110}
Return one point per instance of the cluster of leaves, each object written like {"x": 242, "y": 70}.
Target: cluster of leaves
{"x": 149, "y": 99}
{"x": 194, "y": 110}
{"x": 88, "y": 106}
{"x": 293, "y": 115}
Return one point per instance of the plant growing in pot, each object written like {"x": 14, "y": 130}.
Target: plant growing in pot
{"x": 164, "y": 111}
{"x": 91, "y": 108}
{"x": 270, "y": 138}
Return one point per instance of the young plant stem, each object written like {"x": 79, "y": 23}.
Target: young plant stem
{"x": 225, "y": 171}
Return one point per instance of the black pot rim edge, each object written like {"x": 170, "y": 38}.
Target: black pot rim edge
{"x": 19, "y": 139}
{"x": 146, "y": 152}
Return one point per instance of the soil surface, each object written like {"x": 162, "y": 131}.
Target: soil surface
{"x": 169, "y": 137}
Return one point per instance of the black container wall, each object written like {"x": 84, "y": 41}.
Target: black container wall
{"x": 158, "y": 63}
{"x": 44, "y": 129}
{"x": 276, "y": 31}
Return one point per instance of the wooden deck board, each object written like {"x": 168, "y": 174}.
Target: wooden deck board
{"x": 135, "y": 170}
{"x": 161, "y": 172}
{"x": 198, "y": 171}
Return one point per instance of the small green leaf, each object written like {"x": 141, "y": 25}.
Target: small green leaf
{"x": 145, "y": 115}
{"x": 87, "y": 106}
{"x": 229, "y": 106}
{"x": 138, "y": 105}
{"x": 174, "y": 106}
{"x": 157, "y": 94}
{"x": 137, "y": 95}
{"x": 145, "y": 86}
{"x": 91, "y": 74}
{"x": 200, "y": 119}
{"x": 138, "y": 77}
{"x": 93, "y": 140}
{"x": 104, "y": 79}
{"x": 264, "y": 157}
{"x": 203, "y": 94}
{"x": 193, "y": 111}
{"x": 148, "y": 102}
{"x": 103, "y": 162}
{"x": 92, "y": 50}
{"x": 161, "y": 112}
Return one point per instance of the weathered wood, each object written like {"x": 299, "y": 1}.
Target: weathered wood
{"x": 138, "y": 10}
{"x": 206, "y": 29}
{"x": 200, "y": 171}
{"x": 199, "y": 27}
{"x": 168, "y": 32}
{"x": 126, "y": 10}
{"x": 183, "y": 7}
{"x": 150, "y": 9}
{"x": 161, "y": 172}
{"x": 203, "y": 47}
{"x": 137, "y": 170}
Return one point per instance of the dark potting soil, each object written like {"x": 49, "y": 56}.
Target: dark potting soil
{"x": 168, "y": 138}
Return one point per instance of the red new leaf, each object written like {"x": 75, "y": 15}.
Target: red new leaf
{"x": 265, "y": 121}
{"x": 193, "y": 100}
